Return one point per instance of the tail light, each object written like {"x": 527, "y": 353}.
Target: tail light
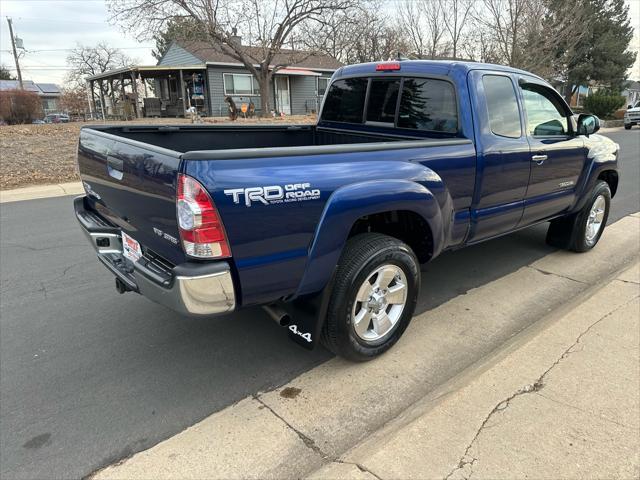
{"x": 201, "y": 229}
{"x": 387, "y": 66}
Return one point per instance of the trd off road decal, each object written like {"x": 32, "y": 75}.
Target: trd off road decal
{"x": 272, "y": 194}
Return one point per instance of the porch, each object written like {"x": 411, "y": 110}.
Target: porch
{"x": 149, "y": 91}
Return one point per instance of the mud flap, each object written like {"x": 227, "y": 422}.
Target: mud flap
{"x": 308, "y": 314}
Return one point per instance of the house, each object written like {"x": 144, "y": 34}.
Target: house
{"x": 49, "y": 93}
{"x": 296, "y": 90}
{"x": 198, "y": 74}
{"x": 631, "y": 93}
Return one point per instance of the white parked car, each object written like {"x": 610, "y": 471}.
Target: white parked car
{"x": 632, "y": 116}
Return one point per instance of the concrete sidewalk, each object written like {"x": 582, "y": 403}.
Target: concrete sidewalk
{"x": 41, "y": 191}
{"x": 566, "y": 404}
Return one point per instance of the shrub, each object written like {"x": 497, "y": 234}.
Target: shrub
{"x": 603, "y": 104}
{"x": 74, "y": 101}
{"x": 19, "y": 106}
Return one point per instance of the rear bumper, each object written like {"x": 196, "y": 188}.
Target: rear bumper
{"x": 190, "y": 288}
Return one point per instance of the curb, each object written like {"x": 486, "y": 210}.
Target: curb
{"x": 311, "y": 422}
{"x": 41, "y": 191}
{"x": 447, "y": 433}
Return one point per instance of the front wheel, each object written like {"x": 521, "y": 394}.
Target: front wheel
{"x": 581, "y": 231}
{"x": 374, "y": 296}
{"x": 627, "y": 126}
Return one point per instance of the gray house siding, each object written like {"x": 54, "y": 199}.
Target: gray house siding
{"x": 303, "y": 90}
{"x": 215, "y": 79}
{"x": 176, "y": 55}
{"x": 304, "y": 94}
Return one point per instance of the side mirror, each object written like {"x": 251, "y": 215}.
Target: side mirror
{"x": 629, "y": 106}
{"x": 588, "y": 124}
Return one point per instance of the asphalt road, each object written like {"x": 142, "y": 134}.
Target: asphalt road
{"x": 88, "y": 376}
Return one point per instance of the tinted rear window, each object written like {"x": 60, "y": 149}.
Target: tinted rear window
{"x": 345, "y": 101}
{"x": 383, "y": 98}
{"x": 428, "y": 104}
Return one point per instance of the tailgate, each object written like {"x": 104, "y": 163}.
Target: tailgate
{"x": 133, "y": 185}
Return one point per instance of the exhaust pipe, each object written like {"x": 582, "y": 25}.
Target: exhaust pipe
{"x": 278, "y": 315}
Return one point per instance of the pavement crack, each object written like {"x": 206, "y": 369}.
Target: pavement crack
{"x": 43, "y": 289}
{"x": 465, "y": 458}
{"x": 586, "y": 412}
{"x": 42, "y": 249}
{"x": 545, "y": 272}
{"x": 308, "y": 441}
{"x": 359, "y": 466}
{"x": 311, "y": 444}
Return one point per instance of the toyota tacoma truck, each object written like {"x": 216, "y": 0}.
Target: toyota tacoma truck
{"x": 327, "y": 225}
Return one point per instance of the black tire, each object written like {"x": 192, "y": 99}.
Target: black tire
{"x": 362, "y": 256}
{"x": 569, "y": 232}
{"x": 627, "y": 127}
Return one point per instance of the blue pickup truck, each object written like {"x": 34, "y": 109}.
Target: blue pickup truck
{"x": 326, "y": 226}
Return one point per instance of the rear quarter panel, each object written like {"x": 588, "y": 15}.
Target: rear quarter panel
{"x": 271, "y": 244}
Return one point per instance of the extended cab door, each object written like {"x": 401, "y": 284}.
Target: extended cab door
{"x": 503, "y": 155}
{"x": 557, "y": 155}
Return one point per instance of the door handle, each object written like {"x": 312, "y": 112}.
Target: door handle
{"x": 115, "y": 167}
{"x": 539, "y": 159}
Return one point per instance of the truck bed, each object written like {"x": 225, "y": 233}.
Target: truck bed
{"x": 213, "y": 138}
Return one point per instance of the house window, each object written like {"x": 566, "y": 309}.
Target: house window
{"x": 323, "y": 83}
{"x": 240, "y": 84}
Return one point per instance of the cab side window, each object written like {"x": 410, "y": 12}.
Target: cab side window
{"x": 545, "y": 114}
{"x": 502, "y": 106}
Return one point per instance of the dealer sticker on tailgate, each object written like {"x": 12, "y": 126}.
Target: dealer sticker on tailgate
{"x": 131, "y": 248}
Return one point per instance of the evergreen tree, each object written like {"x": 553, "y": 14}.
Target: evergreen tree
{"x": 178, "y": 28}
{"x": 602, "y": 56}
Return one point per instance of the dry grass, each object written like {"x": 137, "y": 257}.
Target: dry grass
{"x": 44, "y": 154}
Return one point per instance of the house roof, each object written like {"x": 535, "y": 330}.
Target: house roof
{"x": 209, "y": 53}
{"x": 632, "y": 85}
{"x": 42, "y": 89}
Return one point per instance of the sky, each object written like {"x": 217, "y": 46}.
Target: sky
{"x": 49, "y": 29}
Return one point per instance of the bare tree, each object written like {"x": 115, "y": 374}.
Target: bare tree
{"x": 421, "y": 21}
{"x": 268, "y": 27}
{"x": 335, "y": 33}
{"x": 86, "y": 61}
{"x": 456, "y": 14}
{"x": 535, "y": 35}
{"x": 505, "y": 20}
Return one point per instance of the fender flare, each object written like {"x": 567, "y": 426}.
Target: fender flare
{"x": 349, "y": 203}
{"x": 601, "y": 156}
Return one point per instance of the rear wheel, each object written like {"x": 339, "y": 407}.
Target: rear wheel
{"x": 581, "y": 231}
{"x": 374, "y": 297}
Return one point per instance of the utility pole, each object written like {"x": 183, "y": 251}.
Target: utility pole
{"x": 15, "y": 53}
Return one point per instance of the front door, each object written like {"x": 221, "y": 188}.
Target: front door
{"x": 283, "y": 97}
{"x": 557, "y": 155}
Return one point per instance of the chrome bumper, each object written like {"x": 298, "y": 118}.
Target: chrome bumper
{"x": 190, "y": 288}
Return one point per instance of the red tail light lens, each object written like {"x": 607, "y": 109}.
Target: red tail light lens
{"x": 383, "y": 67}
{"x": 201, "y": 229}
